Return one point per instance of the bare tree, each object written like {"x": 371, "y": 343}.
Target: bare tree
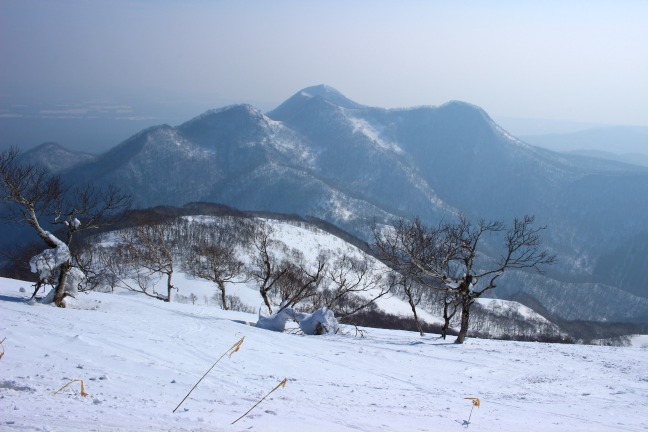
{"x": 265, "y": 268}
{"x": 121, "y": 272}
{"x": 412, "y": 291}
{"x": 144, "y": 253}
{"x": 192, "y": 298}
{"x": 204, "y": 247}
{"x": 87, "y": 257}
{"x": 451, "y": 302}
{"x": 299, "y": 283}
{"x": 449, "y": 254}
{"x": 216, "y": 262}
{"x": 355, "y": 284}
{"x": 34, "y": 197}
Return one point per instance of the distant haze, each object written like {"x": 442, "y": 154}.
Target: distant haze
{"x": 89, "y": 73}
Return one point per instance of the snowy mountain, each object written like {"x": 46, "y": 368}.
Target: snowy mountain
{"x": 321, "y": 154}
{"x": 235, "y": 155}
{"x": 54, "y": 157}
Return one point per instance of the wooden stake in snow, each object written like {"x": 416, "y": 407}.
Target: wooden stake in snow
{"x": 2, "y": 347}
{"x": 230, "y": 351}
{"x": 281, "y": 384}
{"x": 475, "y": 403}
{"x": 83, "y": 393}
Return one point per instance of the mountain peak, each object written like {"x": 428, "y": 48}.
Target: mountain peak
{"x": 464, "y": 107}
{"x": 308, "y": 94}
{"x": 465, "y": 113}
{"x": 49, "y": 145}
{"x": 236, "y": 109}
{"x": 239, "y": 123}
{"x": 242, "y": 116}
{"x": 54, "y": 157}
{"x": 323, "y": 91}
{"x": 329, "y": 94}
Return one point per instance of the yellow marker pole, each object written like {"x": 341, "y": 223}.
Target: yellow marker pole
{"x": 281, "y": 384}
{"x": 83, "y": 393}
{"x": 231, "y": 351}
{"x": 475, "y": 403}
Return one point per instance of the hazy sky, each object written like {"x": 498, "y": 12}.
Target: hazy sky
{"x": 584, "y": 61}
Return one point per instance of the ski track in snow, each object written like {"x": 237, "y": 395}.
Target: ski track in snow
{"x": 138, "y": 357}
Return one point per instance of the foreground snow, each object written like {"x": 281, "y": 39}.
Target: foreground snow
{"x": 138, "y": 357}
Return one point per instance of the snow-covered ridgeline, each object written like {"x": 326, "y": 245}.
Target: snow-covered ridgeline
{"x": 495, "y": 318}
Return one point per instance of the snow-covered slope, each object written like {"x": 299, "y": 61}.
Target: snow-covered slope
{"x": 310, "y": 242}
{"x": 138, "y": 358}
{"x": 491, "y": 317}
{"x": 497, "y": 318}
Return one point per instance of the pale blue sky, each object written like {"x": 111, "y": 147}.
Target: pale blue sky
{"x": 583, "y": 61}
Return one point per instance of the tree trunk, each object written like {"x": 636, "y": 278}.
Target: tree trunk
{"x": 266, "y": 300}
{"x": 446, "y": 322}
{"x": 59, "y": 293}
{"x": 465, "y": 317}
{"x": 447, "y": 316}
{"x": 37, "y": 288}
{"x": 169, "y": 286}
{"x": 416, "y": 320}
{"x": 221, "y": 286}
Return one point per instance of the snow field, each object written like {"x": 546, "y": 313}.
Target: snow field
{"x": 138, "y": 358}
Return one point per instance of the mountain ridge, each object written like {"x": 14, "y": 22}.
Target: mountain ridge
{"x": 350, "y": 164}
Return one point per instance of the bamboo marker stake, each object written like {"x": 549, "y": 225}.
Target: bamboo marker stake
{"x": 231, "y": 351}
{"x": 281, "y": 384}
{"x": 83, "y": 393}
{"x": 475, "y": 403}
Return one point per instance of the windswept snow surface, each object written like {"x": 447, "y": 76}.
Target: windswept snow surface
{"x": 138, "y": 357}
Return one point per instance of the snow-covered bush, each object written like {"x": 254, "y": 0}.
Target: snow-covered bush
{"x": 275, "y": 322}
{"x": 322, "y": 321}
{"x": 48, "y": 263}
